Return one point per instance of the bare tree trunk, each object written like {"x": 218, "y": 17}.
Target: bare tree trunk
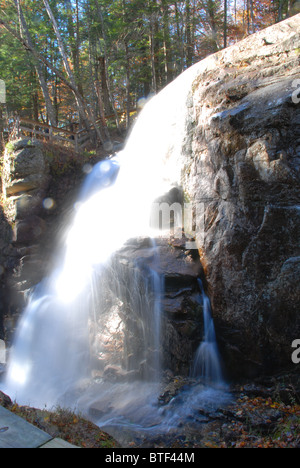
{"x": 2, "y": 142}
{"x": 211, "y": 14}
{"x": 75, "y": 40}
{"x": 188, "y": 28}
{"x": 101, "y": 109}
{"x": 152, "y": 54}
{"x": 167, "y": 42}
{"x": 105, "y": 76}
{"x": 252, "y": 16}
{"x": 104, "y": 85}
{"x": 34, "y": 97}
{"x": 249, "y": 16}
{"x": 86, "y": 115}
{"x": 153, "y": 44}
{"x": 235, "y": 12}
{"x": 225, "y": 24}
{"x": 39, "y": 70}
{"x": 127, "y": 84}
{"x": 179, "y": 38}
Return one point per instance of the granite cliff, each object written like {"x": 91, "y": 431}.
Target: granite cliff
{"x": 240, "y": 162}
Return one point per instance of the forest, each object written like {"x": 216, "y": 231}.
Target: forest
{"x": 72, "y": 63}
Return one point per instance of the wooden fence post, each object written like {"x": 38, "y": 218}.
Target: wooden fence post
{"x": 76, "y": 142}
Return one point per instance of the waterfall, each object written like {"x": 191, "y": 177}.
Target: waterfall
{"x": 207, "y": 364}
{"x": 95, "y": 295}
{"x": 127, "y": 315}
{"x": 50, "y": 351}
{"x": 90, "y": 335}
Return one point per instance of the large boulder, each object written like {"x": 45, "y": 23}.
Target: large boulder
{"x": 26, "y": 168}
{"x": 25, "y": 181}
{"x": 132, "y": 324}
{"x": 240, "y": 163}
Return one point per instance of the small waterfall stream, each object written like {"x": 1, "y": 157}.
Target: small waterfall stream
{"x": 207, "y": 363}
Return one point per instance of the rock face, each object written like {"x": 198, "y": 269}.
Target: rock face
{"x": 148, "y": 311}
{"x": 25, "y": 181}
{"x": 240, "y": 163}
{"x": 37, "y": 205}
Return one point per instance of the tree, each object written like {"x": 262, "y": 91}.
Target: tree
{"x": 84, "y": 112}
{"x": 84, "y": 60}
{"x": 24, "y": 32}
{"x": 225, "y": 23}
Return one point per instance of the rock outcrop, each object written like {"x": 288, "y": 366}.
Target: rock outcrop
{"x": 148, "y": 311}
{"x": 240, "y": 163}
{"x": 39, "y": 189}
{"x": 25, "y": 181}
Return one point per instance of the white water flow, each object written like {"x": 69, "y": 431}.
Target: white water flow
{"x": 100, "y": 310}
{"x": 207, "y": 364}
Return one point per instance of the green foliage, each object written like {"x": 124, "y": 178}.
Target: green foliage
{"x": 131, "y": 48}
{"x": 10, "y": 147}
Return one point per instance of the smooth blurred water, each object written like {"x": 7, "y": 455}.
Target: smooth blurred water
{"x": 52, "y": 359}
{"x": 207, "y": 362}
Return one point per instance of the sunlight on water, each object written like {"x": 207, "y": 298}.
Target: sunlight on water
{"x": 50, "y": 362}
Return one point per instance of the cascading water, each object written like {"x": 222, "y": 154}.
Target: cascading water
{"x": 127, "y": 316}
{"x": 98, "y": 305}
{"x": 207, "y": 364}
{"x": 51, "y": 352}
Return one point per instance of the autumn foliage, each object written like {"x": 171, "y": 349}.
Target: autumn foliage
{"x": 74, "y": 62}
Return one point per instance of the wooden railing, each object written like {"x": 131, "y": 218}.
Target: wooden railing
{"x": 40, "y": 131}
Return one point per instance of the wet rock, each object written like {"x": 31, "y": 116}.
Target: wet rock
{"x": 28, "y": 205}
{"x": 25, "y": 168}
{"x": 172, "y": 388}
{"x": 181, "y": 304}
{"x": 149, "y": 273}
{"x": 25, "y": 181}
{"x": 117, "y": 374}
{"x": 241, "y": 164}
{"x": 29, "y": 230}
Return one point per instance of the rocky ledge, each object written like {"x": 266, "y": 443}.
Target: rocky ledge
{"x": 62, "y": 424}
